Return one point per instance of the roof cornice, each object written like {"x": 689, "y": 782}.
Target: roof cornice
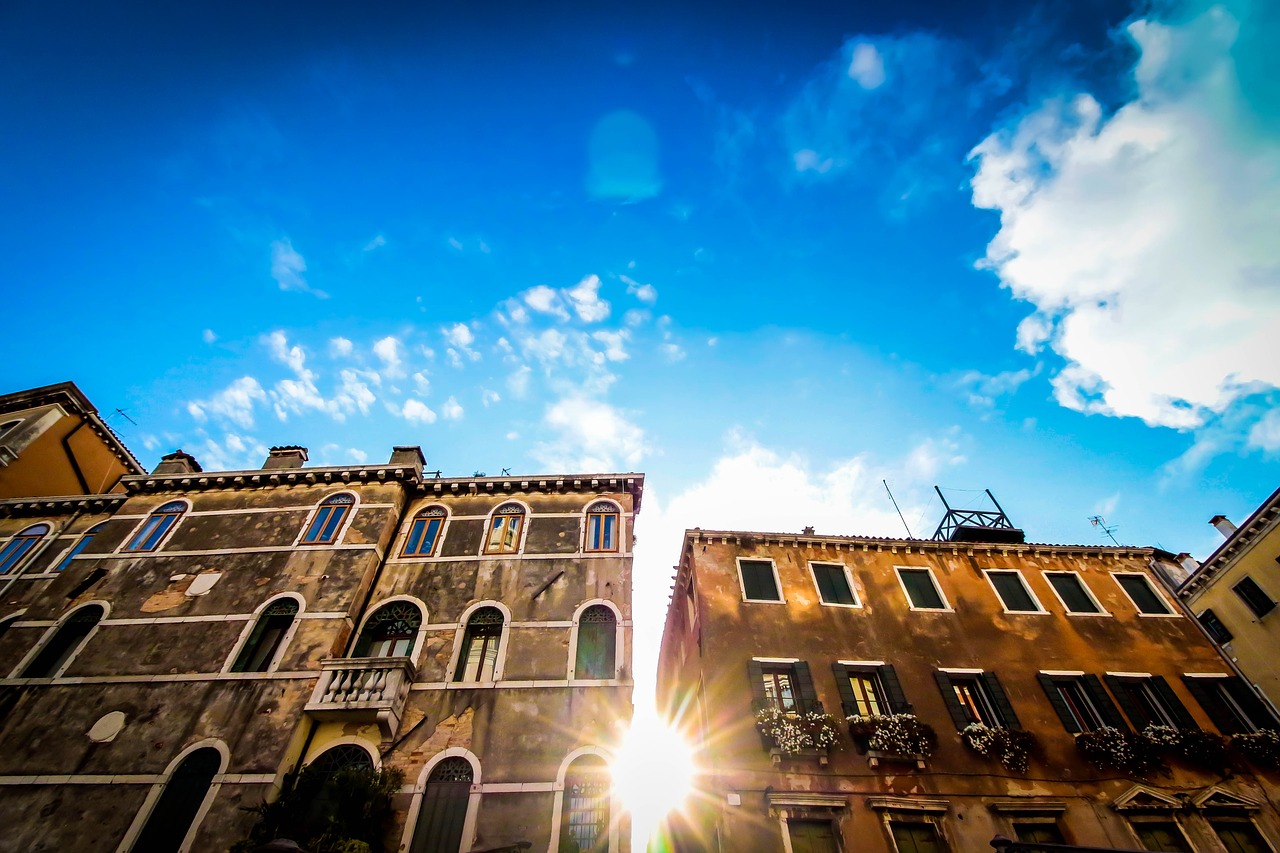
{"x": 60, "y": 505}
{"x": 1263, "y": 519}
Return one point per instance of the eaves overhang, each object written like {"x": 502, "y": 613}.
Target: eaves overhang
{"x": 60, "y": 505}
{"x": 1264, "y": 519}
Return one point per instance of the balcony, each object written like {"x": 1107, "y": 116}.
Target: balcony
{"x": 363, "y": 690}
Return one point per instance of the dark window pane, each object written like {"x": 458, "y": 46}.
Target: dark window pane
{"x": 1161, "y": 835}
{"x": 1013, "y": 594}
{"x": 64, "y": 643}
{"x": 444, "y": 808}
{"x": 920, "y": 589}
{"x": 916, "y": 837}
{"x": 171, "y": 818}
{"x": 833, "y": 584}
{"x": 267, "y": 635}
{"x": 1253, "y": 595}
{"x": 1239, "y": 835}
{"x": 758, "y": 581}
{"x": 1073, "y": 593}
{"x": 1039, "y": 833}
{"x": 780, "y": 688}
{"x": 1214, "y": 626}
{"x": 1139, "y": 589}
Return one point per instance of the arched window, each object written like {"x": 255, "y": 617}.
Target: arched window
{"x": 596, "y": 655}
{"x": 390, "y": 631}
{"x": 603, "y": 527}
{"x": 19, "y": 546}
{"x": 478, "y": 659}
{"x": 84, "y": 540}
{"x": 344, "y": 756}
{"x": 424, "y": 533}
{"x": 504, "y": 530}
{"x": 443, "y": 814}
{"x": 327, "y": 522}
{"x": 259, "y": 651}
{"x": 584, "y": 816}
{"x": 179, "y": 804}
{"x": 157, "y": 525}
{"x": 65, "y": 642}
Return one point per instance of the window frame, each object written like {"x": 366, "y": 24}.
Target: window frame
{"x": 1214, "y": 626}
{"x": 314, "y": 520}
{"x": 415, "y": 645}
{"x": 1066, "y": 608}
{"x": 1171, "y": 612}
{"x": 1095, "y": 698}
{"x": 1039, "y": 610}
{"x": 593, "y": 512}
{"x": 559, "y": 801}
{"x": 419, "y": 791}
{"x": 487, "y": 548}
{"x": 437, "y": 540}
{"x": 848, "y": 579}
{"x": 134, "y": 542}
{"x": 143, "y": 816}
{"x": 461, "y": 653}
{"x": 921, "y": 818}
{"x": 575, "y": 636}
{"x": 82, "y": 541}
{"x": 777, "y": 581}
{"x": 1159, "y": 698}
{"x": 1254, "y": 597}
{"x": 804, "y": 693}
{"x": 1220, "y": 689}
{"x": 22, "y": 544}
{"x": 248, "y": 631}
{"x": 990, "y": 700}
{"x": 1135, "y": 820}
{"x": 886, "y": 682}
{"x": 928, "y": 570}
{"x": 51, "y": 634}
{"x": 1214, "y": 819}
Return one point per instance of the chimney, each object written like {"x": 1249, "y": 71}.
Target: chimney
{"x": 288, "y": 456}
{"x": 177, "y": 462}
{"x": 408, "y": 454}
{"x": 1224, "y": 525}
{"x": 808, "y": 531}
{"x": 1188, "y": 562}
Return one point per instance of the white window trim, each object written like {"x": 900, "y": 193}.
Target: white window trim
{"x": 862, "y": 663}
{"x": 1035, "y": 599}
{"x": 488, "y": 528}
{"x": 499, "y": 665}
{"x": 908, "y": 815}
{"x": 311, "y": 516}
{"x": 153, "y": 796}
{"x": 960, "y": 670}
{"x": 38, "y": 547}
{"x": 557, "y": 806}
{"x": 168, "y": 534}
{"x": 776, "y": 660}
{"x": 1102, "y": 611}
{"x": 252, "y": 623}
{"x": 49, "y": 634}
{"x": 777, "y": 580}
{"x": 420, "y": 788}
{"x": 402, "y": 538}
{"x": 622, "y": 525}
{"x": 848, "y": 577}
{"x": 618, "y": 640}
{"x": 1173, "y": 610}
{"x": 1063, "y": 673}
{"x": 946, "y": 608}
{"x": 419, "y": 640}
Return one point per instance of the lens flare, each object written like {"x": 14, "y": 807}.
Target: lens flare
{"x": 653, "y": 773}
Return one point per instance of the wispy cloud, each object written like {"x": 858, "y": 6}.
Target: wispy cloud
{"x": 416, "y": 411}
{"x": 287, "y": 267}
{"x": 235, "y": 403}
{"x": 590, "y": 435}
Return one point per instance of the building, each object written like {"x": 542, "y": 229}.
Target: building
{"x": 175, "y": 649}
{"x": 1233, "y": 593}
{"x": 997, "y": 688}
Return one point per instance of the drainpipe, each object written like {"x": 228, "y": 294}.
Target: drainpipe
{"x": 71, "y": 456}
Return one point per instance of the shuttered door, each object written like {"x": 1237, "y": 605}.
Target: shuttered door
{"x": 444, "y": 808}
{"x": 811, "y": 836}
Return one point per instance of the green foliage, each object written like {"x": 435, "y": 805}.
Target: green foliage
{"x": 1011, "y": 747}
{"x": 897, "y": 734}
{"x": 1262, "y": 748}
{"x": 1109, "y": 748}
{"x": 347, "y": 811}
{"x": 1195, "y": 746}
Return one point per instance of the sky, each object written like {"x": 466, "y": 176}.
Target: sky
{"x": 771, "y": 255}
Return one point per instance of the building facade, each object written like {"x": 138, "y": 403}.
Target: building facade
{"x": 1234, "y": 592}
{"x": 174, "y": 652}
{"x": 862, "y": 694}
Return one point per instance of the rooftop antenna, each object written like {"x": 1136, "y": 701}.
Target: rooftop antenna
{"x": 895, "y": 506}
{"x": 1099, "y": 521}
{"x": 122, "y": 414}
{"x": 506, "y": 472}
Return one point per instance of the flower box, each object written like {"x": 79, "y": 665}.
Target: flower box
{"x": 792, "y": 733}
{"x": 893, "y": 735}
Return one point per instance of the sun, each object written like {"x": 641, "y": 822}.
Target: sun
{"x": 653, "y": 772}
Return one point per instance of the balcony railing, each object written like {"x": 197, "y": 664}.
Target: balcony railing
{"x": 371, "y": 690}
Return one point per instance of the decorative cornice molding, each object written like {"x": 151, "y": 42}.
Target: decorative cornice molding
{"x": 1262, "y": 521}
{"x": 60, "y": 505}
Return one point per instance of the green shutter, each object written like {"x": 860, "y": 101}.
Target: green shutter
{"x": 1110, "y": 713}
{"x": 804, "y": 682}
{"x": 1059, "y": 707}
{"x": 848, "y": 702}
{"x": 1172, "y": 703}
{"x": 995, "y": 691}
{"x": 897, "y": 700}
{"x": 954, "y": 708}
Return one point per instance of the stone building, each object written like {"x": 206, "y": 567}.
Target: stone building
{"x": 1233, "y": 594}
{"x": 174, "y": 651}
{"x": 997, "y": 688}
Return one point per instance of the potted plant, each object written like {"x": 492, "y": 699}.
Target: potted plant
{"x": 1261, "y": 748}
{"x": 1195, "y": 746}
{"x": 893, "y": 734}
{"x": 795, "y": 733}
{"x": 1011, "y": 747}
{"x": 1110, "y": 748}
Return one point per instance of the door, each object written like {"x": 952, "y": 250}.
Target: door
{"x": 812, "y": 836}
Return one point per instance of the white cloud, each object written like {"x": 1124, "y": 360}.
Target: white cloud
{"x": 614, "y": 343}
{"x": 518, "y": 381}
{"x": 586, "y": 301}
{"x": 460, "y": 338}
{"x": 340, "y": 347}
{"x": 1146, "y": 241}
{"x": 287, "y": 267}
{"x": 209, "y": 336}
{"x": 636, "y": 317}
{"x": 866, "y": 66}
{"x": 422, "y": 383}
{"x": 291, "y": 356}
{"x": 357, "y": 456}
{"x": 235, "y": 403}
{"x": 1265, "y": 434}
{"x": 544, "y": 300}
{"x": 415, "y": 411}
{"x": 591, "y": 436}
{"x": 376, "y": 243}
{"x": 488, "y": 397}
{"x": 234, "y": 453}
{"x": 671, "y": 353}
{"x": 982, "y": 390}
{"x": 546, "y": 347}
{"x": 513, "y": 436}
{"x": 388, "y": 351}
{"x": 451, "y": 409}
{"x": 150, "y": 442}
{"x": 646, "y": 293}
{"x": 354, "y": 392}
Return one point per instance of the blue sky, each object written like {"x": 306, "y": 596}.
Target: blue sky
{"x": 769, "y": 255}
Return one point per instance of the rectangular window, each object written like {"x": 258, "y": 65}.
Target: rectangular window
{"x": 1013, "y": 591}
{"x": 973, "y": 700}
{"x": 423, "y": 535}
{"x": 780, "y": 689}
{"x": 1214, "y": 626}
{"x": 1038, "y": 832}
{"x": 832, "y": 580}
{"x": 1231, "y": 703}
{"x": 602, "y": 528}
{"x": 1161, "y": 835}
{"x": 1239, "y": 835}
{"x": 1252, "y": 595}
{"x": 1072, "y": 591}
{"x": 915, "y": 837}
{"x": 975, "y": 697}
{"x": 868, "y": 694}
{"x": 1081, "y": 702}
{"x": 504, "y": 534}
{"x": 811, "y": 836}
{"x": 759, "y": 583}
{"x": 869, "y": 689}
{"x": 1142, "y": 594}
{"x": 1148, "y": 701}
{"x": 921, "y": 589}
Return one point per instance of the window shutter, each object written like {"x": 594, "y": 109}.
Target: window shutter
{"x": 1172, "y": 703}
{"x": 1059, "y": 707}
{"x": 958, "y": 716}
{"x": 1257, "y": 711}
{"x": 1211, "y": 702}
{"x": 848, "y": 702}
{"x": 897, "y": 700}
{"x": 808, "y": 695}
{"x": 755, "y": 671}
{"x": 1110, "y": 713}
{"x": 1132, "y": 711}
{"x": 995, "y": 691}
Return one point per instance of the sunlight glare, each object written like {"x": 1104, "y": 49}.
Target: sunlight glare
{"x": 652, "y": 773}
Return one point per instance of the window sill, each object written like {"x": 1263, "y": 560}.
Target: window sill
{"x": 875, "y": 758}
{"x": 777, "y": 756}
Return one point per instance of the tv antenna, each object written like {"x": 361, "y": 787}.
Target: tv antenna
{"x": 895, "y": 506}
{"x": 1099, "y": 521}
{"x": 506, "y": 472}
{"x": 121, "y": 413}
